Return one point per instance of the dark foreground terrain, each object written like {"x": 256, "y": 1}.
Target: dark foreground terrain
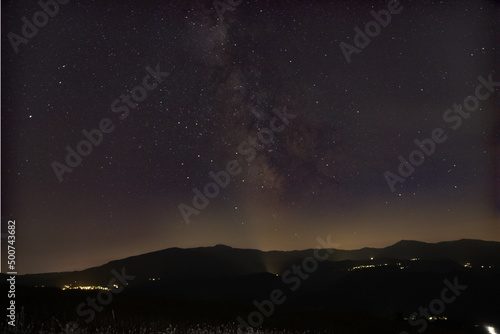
{"x": 53, "y": 311}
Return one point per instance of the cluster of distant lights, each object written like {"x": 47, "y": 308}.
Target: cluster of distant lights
{"x": 468, "y": 265}
{"x": 364, "y": 267}
{"x": 380, "y": 265}
{"x": 373, "y": 266}
{"x": 430, "y": 318}
{"x": 88, "y": 287}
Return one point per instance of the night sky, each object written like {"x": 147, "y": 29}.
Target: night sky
{"x": 223, "y": 78}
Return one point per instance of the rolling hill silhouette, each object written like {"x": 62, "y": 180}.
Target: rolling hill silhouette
{"x": 388, "y": 282}
{"x": 176, "y": 264}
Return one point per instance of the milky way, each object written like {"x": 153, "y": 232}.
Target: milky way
{"x": 229, "y": 74}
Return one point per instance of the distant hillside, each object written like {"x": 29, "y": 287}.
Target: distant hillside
{"x": 460, "y": 251}
{"x": 386, "y": 282}
{"x": 176, "y": 264}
